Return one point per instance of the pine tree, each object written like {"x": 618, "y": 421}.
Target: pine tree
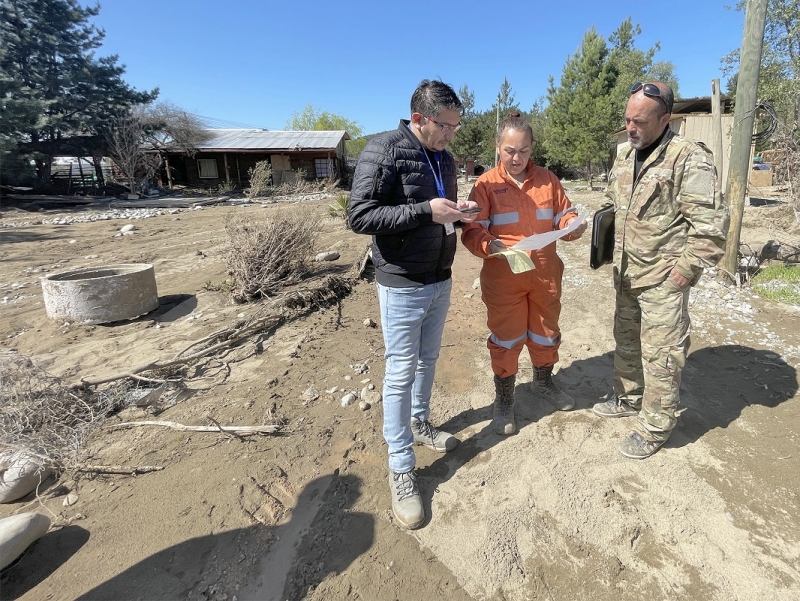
{"x": 633, "y": 65}
{"x": 580, "y": 114}
{"x": 52, "y": 79}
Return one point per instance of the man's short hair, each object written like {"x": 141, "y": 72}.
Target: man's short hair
{"x": 431, "y": 96}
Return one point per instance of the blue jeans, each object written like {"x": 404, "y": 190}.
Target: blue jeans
{"x": 413, "y": 320}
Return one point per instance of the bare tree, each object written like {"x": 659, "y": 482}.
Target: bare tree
{"x": 140, "y": 140}
{"x": 126, "y": 145}
{"x": 170, "y": 128}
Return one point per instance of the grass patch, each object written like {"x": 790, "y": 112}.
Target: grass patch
{"x": 780, "y": 283}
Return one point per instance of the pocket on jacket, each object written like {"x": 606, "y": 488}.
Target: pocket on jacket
{"x": 653, "y": 202}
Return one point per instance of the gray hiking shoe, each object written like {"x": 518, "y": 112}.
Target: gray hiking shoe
{"x": 614, "y": 407}
{"x": 544, "y": 386}
{"x": 503, "y": 419}
{"x": 637, "y": 447}
{"x": 406, "y": 500}
{"x": 425, "y": 433}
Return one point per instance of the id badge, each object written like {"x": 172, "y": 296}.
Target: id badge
{"x": 449, "y": 228}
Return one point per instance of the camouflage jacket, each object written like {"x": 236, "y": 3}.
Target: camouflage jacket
{"x": 672, "y": 217}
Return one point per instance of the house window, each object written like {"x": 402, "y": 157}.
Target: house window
{"x": 207, "y": 168}
{"x": 322, "y": 167}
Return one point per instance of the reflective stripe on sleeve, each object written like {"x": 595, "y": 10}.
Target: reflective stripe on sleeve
{"x": 544, "y": 214}
{"x": 558, "y": 217}
{"x": 484, "y": 223}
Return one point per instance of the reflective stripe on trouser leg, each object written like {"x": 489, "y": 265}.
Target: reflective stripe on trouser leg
{"x": 544, "y": 309}
{"x": 412, "y": 320}
{"x": 506, "y": 303}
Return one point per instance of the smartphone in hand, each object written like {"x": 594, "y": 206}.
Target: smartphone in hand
{"x": 470, "y": 210}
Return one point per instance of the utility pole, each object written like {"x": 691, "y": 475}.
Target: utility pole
{"x": 716, "y": 112}
{"x": 742, "y": 135}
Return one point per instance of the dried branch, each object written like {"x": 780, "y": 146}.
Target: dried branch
{"x": 118, "y": 469}
{"x": 239, "y": 430}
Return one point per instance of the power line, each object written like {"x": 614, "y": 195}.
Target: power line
{"x": 226, "y": 123}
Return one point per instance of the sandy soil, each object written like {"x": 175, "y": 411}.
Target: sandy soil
{"x": 554, "y": 512}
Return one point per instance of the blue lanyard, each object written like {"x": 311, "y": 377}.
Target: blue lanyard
{"x": 439, "y": 181}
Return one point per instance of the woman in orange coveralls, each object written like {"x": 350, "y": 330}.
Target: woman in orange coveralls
{"x": 519, "y": 199}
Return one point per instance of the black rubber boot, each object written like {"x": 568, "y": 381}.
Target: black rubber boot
{"x": 503, "y": 421}
{"x": 543, "y": 384}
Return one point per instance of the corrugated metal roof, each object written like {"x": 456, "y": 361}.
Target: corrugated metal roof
{"x": 260, "y": 139}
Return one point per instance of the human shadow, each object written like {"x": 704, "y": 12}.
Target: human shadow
{"x": 583, "y": 381}
{"x": 719, "y": 382}
{"x": 40, "y": 560}
{"x": 211, "y": 566}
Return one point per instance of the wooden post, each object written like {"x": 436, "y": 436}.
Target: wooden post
{"x": 716, "y": 114}
{"x": 742, "y": 135}
{"x": 168, "y": 170}
{"x": 227, "y": 169}
{"x": 80, "y": 170}
{"x": 238, "y": 172}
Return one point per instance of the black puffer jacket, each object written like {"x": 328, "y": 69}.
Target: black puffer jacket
{"x": 392, "y": 188}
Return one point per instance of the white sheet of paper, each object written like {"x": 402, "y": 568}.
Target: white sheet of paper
{"x": 538, "y": 241}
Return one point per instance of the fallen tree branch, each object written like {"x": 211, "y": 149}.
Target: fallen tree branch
{"x": 118, "y": 469}
{"x": 296, "y": 301}
{"x": 239, "y": 430}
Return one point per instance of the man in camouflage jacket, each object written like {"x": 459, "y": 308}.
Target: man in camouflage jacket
{"x": 670, "y": 224}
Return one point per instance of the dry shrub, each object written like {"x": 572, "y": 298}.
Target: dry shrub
{"x": 269, "y": 253}
{"x": 260, "y": 180}
{"x": 40, "y": 413}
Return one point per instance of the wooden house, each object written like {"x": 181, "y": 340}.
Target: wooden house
{"x": 227, "y": 155}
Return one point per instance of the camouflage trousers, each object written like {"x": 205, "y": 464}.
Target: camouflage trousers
{"x": 651, "y": 329}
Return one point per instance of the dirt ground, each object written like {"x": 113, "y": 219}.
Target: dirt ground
{"x": 553, "y": 512}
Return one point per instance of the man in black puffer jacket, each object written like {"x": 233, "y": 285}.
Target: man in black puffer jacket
{"x": 404, "y": 195}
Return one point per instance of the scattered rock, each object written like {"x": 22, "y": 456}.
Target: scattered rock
{"x": 70, "y": 499}
{"x": 311, "y": 394}
{"x": 369, "y": 323}
{"x": 333, "y": 390}
{"x": 363, "y": 405}
{"x": 127, "y": 228}
{"x": 327, "y": 256}
{"x": 476, "y": 284}
{"x": 348, "y": 399}
{"x": 372, "y": 397}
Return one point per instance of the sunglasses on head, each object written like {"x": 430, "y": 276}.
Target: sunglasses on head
{"x": 650, "y": 90}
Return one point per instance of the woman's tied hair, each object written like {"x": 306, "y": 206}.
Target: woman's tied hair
{"x": 513, "y": 121}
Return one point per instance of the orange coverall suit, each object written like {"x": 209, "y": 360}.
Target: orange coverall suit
{"x": 522, "y": 309}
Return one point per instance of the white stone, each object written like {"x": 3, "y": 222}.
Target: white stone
{"x": 23, "y": 473}
{"x": 17, "y": 532}
{"x": 327, "y": 256}
{"x": 127, "y": 228}
{"x": 363, "y": 405}
{"x": 70, "y": 499}
{"x": 348, "y": 399}
{"x": 311, "y": 394}
{"x": 369, "y": 323}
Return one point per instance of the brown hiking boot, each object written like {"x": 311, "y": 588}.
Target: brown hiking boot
{"x": 503, "y": 420}
{"x": 543, "y": 385}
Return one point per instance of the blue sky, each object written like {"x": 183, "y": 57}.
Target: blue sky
{"x": 254, "y": 63}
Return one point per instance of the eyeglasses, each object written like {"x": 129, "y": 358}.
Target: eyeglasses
{"x": 650, "y": 90}
{"x": 445, "y": 126}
